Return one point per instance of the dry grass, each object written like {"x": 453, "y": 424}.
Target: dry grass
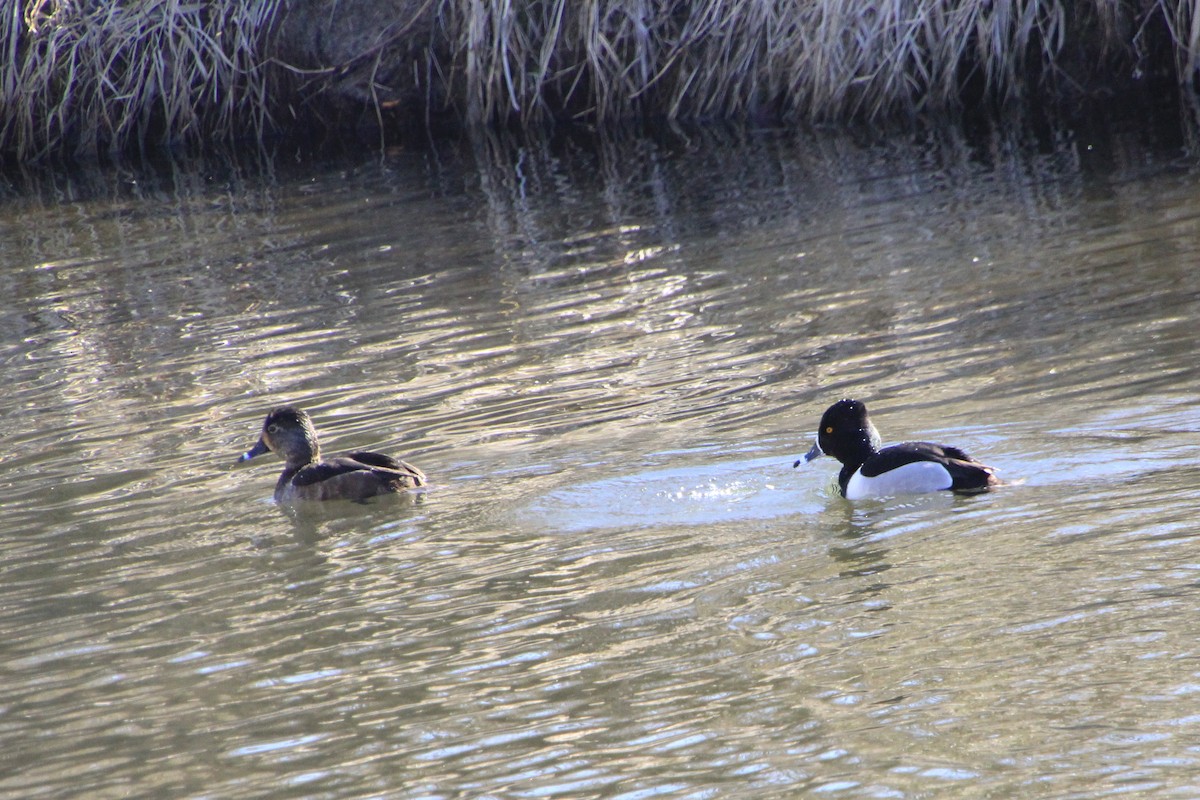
{"x": 820, "y": 59}
{"x": 100, "y": 75}
{"x": 107, "y": 74}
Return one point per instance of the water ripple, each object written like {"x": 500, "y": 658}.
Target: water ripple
{"x": 616, "y": 584}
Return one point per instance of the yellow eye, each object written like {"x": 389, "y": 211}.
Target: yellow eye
{"x": 829, "y": 429}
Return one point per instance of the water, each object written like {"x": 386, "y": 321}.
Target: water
{"x": 607, "y": 357}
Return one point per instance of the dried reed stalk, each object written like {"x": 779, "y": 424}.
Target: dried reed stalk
{"x": 109, "y": 73}
{"x": 823, "y": 59}
{"x": 105, "y": 75}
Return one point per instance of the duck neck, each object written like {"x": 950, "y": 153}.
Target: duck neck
{"x": 301, "y": 448}
{"x": 855, "y": 454}
{"x": 301, "y": 457}
{"x": 859, "y": 448}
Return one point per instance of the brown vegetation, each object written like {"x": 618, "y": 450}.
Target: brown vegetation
{"x": 91, "y": 75}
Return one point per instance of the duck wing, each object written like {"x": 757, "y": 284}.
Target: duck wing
{"x": 359, "y": 473}
{"x": 379, "y": 461}
{"x": 328, "y": 470}
{"x": 898, "y": 455}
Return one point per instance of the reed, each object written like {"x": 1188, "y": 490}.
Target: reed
{"x": 91, "y": 75}
{"x": 824, "y": 59}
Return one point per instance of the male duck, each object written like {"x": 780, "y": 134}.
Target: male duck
{"x": 289, "y": 432}
{"x": 868, "y": 471}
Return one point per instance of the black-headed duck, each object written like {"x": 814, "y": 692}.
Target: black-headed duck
{"x": 288, "y": 431}
{"x": 847, "y": 434}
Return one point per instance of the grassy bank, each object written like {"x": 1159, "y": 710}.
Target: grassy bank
{"x": 91, "y": 75}
{"x": 95, "y": 75}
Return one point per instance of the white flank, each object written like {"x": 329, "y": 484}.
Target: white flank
{"x": 914, "y": 478}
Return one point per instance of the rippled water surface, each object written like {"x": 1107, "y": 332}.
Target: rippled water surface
{"x": 606, "y": 355}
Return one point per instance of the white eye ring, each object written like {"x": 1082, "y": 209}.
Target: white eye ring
{"x": 272, "y": 428}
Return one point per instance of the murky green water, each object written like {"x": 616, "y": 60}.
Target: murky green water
{"x": 606, "y": 356}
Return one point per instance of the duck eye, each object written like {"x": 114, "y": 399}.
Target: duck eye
{"x": 272, "y": 428}
{"x": 829, "y": 429}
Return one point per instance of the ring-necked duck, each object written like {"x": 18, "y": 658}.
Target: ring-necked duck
{"x": 847, "y": 434}
{"x": 289, "y": 432}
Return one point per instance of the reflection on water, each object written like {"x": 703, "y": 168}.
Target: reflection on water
{"x": 607, "y": 356}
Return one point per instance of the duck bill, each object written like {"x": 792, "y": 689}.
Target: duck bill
{"x": 815, "y": 452}
{"x": 259, "y": 448}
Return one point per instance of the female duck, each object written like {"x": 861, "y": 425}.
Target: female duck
{"x": 847, "y": 434}
{"x": 289, "y": 432}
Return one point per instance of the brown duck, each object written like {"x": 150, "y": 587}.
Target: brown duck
{"x": 289, "y": 432}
